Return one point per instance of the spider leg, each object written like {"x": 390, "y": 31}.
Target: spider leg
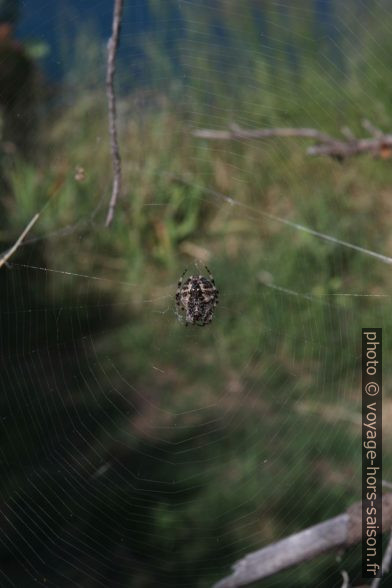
{"x": 208, "y": 271}
{"x": 182, "y": 276}
{"x": 179, "y": 286}
{"x": 210, "y": 275}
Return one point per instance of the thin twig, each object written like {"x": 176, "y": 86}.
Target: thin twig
{"x": 112, "y": 110}
{"x": 16, "y": 245}
{"x": 346, "y": 579}
{"x": 336, "y": 533}
{"x": 371, "y": 129}
{"x": 341, "y": 149}
{"x": 347, "y": 133}
{"x": 237, "y": 132}
{"x": 379, "y": 145}
{"x": 386, "y": 564}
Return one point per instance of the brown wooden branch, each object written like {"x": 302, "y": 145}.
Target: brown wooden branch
{"x": 337, "y": 533}
{"x": 371, "y": 129}
{"x": 386, "y": 564}
{"x": 346, "y": 579}
{"x": 112, "y": 110}
{"x": 341, "y": 149}
{"x": 4, "y": 258}
{"x": 379, "y": 144}
{"x": 236, "y": 132}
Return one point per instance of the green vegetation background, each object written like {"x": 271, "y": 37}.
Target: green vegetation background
{"x": 137, "y": 453}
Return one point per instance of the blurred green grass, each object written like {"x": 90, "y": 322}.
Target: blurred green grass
{"x": 248, "y": 430}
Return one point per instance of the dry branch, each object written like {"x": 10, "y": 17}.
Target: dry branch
{"x": 112, "y": 110}
{"x": 4, "y": 258}
{"x": 238, "y": 133}
{"x": 346, "y": 580}
{"x": 379, "y": 144}
{"x": 342, "y": 149}
{"x": 371, "y": 129}
{"x": 386, "y": 564}
{"x": 337, "y": 533}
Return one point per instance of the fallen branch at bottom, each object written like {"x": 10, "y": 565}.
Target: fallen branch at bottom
{"x": 337, "y": 533}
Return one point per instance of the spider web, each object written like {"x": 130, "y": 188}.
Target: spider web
{"x": 136, "y": 452}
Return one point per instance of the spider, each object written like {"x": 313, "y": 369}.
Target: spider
{"x": 197, "y": 297}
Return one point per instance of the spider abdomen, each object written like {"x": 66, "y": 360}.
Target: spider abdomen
{"x": 198, "y": 297}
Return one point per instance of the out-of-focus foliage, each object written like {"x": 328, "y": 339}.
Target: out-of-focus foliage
{"x": 182, "y": 521}
{"x": 9, "y": 11}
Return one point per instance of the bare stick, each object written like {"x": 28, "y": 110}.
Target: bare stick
{"x": 336, "y": 533}
{"x": 347, "y": 133}
{"x": 236, "y": 132}
{"x": 379, "y": 145}
{"x": 346, "y": 579}
{"x": 386, "y": 564}
{"x": 111, "y": 97}
{"x": 341, "y": 149}
{"x": 371, "y": 129}
{"x": 16, "y": 245}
